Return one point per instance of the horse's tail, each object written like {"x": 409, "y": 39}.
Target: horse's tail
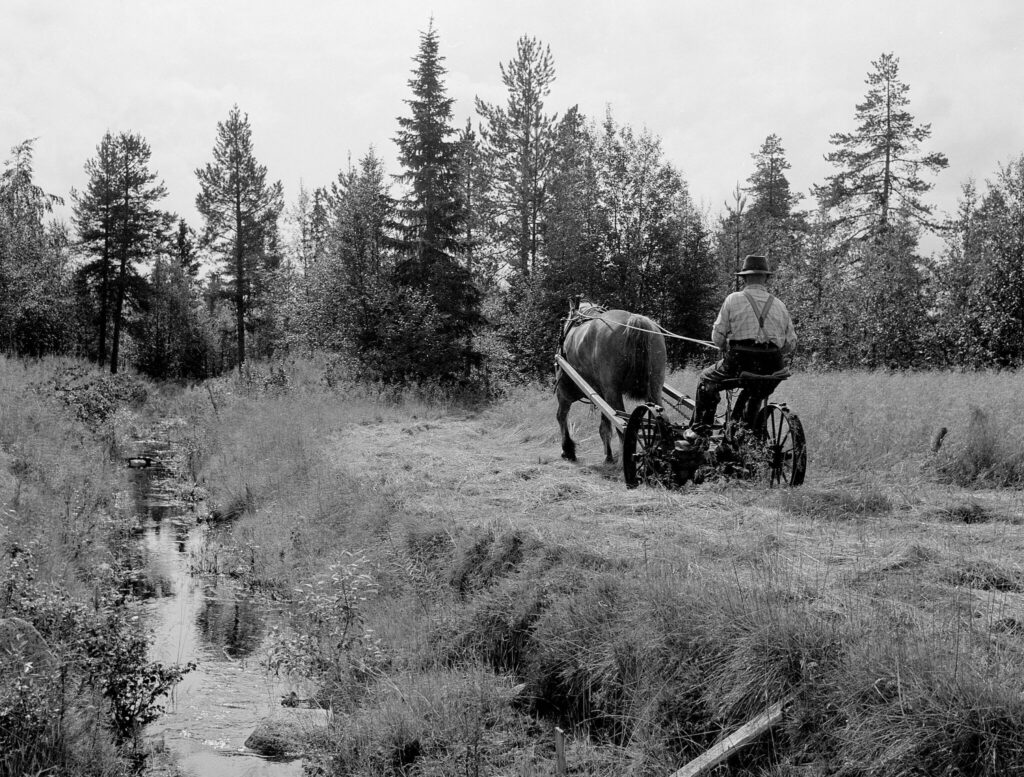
{"x": 645, "y": 359}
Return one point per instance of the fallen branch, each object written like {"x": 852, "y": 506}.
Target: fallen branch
{"x": 742, "y": 736}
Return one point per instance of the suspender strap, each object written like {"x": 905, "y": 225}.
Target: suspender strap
{"x": 760, "y": 313}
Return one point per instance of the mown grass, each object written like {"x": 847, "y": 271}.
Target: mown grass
{"x": 882, "y": 597}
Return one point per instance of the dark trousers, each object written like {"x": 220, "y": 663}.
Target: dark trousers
{"x": 740, "y": 357}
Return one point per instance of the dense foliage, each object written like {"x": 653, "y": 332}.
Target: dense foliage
{"x": 458, "y": 266}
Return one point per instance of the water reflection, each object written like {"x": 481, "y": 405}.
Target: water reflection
{"x": 234, "y": 626}
{"x": 204, "y": 619}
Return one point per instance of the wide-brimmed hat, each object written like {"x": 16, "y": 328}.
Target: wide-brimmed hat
{"x": 755, "y": 264}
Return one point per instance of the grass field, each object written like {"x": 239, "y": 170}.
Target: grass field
{"x": 489, "y": 590}
{"x": 455, "y": 589}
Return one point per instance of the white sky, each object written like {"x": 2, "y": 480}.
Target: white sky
{"x": 321, "y": 79}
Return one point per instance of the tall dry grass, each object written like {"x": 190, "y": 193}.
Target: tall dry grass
{"x": 881, "y": 598}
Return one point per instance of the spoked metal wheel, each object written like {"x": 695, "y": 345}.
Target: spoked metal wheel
{"x": 644, "y": 457}
{"x": 784, "y": 442}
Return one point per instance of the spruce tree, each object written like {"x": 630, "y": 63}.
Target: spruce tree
{"x": 773, "y": 226}
{"x": 768, "y": 184}
{"x": 431, "y": 221}
{"x": 185, "y": 248}
{"x": 241, "y": 210}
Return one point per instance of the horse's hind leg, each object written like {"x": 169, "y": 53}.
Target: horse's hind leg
{"x": 607, "y": 429}
{"x": 568, "y": 446}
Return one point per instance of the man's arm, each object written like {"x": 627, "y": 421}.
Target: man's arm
{"x": 720, "y": 331}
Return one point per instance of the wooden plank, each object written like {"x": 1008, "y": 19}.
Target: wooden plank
{"x": 677, "y": 400}
{"x": 559, "y": 752}
{"x": 742, "y": 736}
{"x": 606, "y": 410}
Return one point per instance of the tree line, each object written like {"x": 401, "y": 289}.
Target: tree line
{"x": 457, "y": 268}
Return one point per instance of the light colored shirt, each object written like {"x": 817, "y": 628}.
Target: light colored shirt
{"x": 737, "y": 320}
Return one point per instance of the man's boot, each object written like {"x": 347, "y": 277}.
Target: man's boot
{"x": 751, "y": 410}
{"x": 704, "y": 406}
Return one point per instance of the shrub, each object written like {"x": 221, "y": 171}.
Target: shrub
{"x": 326, "y": 638}
{"x": 93, "y": 395}
{"x": 99, "y": 673}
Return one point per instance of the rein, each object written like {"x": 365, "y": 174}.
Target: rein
{"x": 664, "y": 331}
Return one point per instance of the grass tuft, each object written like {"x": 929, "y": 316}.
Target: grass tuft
{"x": 985, "y": 455}
{"x": 969, "y": 511}
{"x": 986, "y": 576}
{"x": 868, "y": 500}
{"x": 432, "y": 724}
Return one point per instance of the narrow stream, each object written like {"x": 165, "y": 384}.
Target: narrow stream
{"x": 208, "y": 620}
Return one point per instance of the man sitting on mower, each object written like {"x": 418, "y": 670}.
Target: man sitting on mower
{"x": 755, "y": 334}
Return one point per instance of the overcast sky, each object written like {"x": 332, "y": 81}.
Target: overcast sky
{"x": 323, "y": 79}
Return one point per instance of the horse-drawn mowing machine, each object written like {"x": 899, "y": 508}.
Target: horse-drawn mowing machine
{"x": 657, "y": 450}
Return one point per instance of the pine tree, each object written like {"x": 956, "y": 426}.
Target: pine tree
{"x": 431, "y": 221}
{"x": 120, "y": 226}
{"x": 95, "y": 221}
{"x": 139, "y": 226}
{"x": 879, "y": 163}
{"x": 241, "y": 211}
{"x": 518, "y": 144}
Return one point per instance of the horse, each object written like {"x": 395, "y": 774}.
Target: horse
{"x": 617, "y": 353}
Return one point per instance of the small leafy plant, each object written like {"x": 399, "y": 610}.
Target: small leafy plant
{"x": 327, "y": 636}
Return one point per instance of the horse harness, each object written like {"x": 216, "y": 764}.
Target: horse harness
{"x": 573, "y": 320}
